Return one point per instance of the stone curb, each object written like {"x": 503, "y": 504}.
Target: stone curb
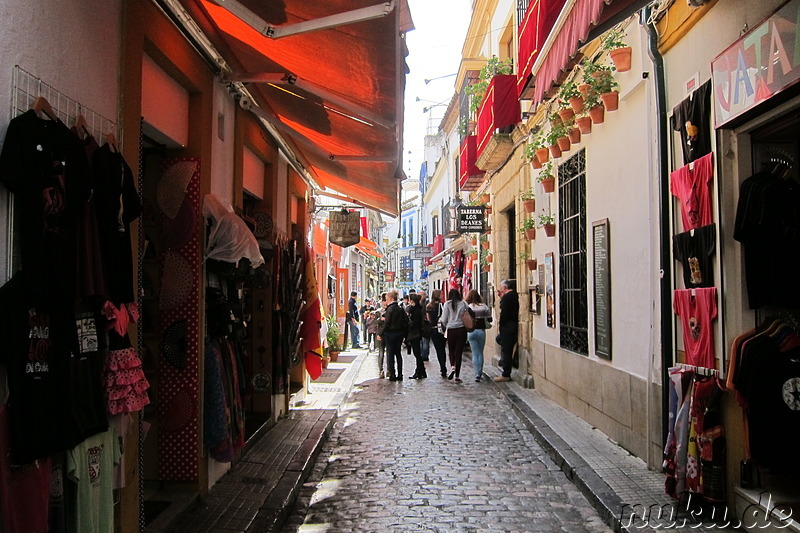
{"x": 599, "y": 494}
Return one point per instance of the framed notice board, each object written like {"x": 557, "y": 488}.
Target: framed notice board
{"x": 602, "y": 289}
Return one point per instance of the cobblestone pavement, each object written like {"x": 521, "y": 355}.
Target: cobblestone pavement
{"x": 433, "y": 455}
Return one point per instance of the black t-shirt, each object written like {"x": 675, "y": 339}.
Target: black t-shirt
{"x": 34, "y": 346}
{"x": 692, "y": 119}
{"x": 768, "y": 226}
{"x": 695, "y": 250}
{"x": 45, "y": 166}
{"x": 117, "y": 205}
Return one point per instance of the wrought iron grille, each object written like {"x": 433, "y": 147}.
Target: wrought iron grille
{"x": 522, "y": 8}
{"x": 573, "y": 314}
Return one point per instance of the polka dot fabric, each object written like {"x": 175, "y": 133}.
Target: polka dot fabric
{"x": 179, "y": 389}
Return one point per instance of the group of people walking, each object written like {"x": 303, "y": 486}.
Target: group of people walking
{"x": 418, "y": 324}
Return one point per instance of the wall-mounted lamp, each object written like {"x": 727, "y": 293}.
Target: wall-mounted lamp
{"x": 428, "y": 80}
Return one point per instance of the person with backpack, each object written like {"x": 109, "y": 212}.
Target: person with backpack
{"x": 452, "y": 322}
{"x": 477, "y": 337}
{"x": 433, "y": 312}
{"x": 414, "y": 337}
{"x": 394, "y": 331}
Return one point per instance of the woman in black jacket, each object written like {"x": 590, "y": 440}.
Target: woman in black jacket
{"x": 414, "y": 337}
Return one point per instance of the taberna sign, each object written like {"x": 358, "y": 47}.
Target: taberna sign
{"x": 471, "y": 219}
{"x": 345, "y": 229}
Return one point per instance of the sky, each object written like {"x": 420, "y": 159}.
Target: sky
{"x": 434, "y": 50}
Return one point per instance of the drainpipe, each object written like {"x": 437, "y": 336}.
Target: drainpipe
{"x": 664, "y": 226}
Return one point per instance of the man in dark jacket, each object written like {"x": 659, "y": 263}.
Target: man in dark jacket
{"x": 508, "y": 325}
{"x": 395, "y": 330}
{"x": 352, "y": 320}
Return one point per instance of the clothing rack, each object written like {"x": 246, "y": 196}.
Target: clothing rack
{"x": 699, "y": 370}
{"x": 28, "y": 87}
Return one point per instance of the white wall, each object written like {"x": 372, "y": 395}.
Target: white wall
{"x": 62, "y": 43}
{"x": 222, "y": 145}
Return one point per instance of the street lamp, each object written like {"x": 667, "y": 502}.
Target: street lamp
{"x": 428, "y": 80}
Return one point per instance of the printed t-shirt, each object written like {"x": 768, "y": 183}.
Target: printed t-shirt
{"x": 697, "y": 311}
{"x": 691, "y": 184}
{"x": 91, "y": 466}
{"x": 692, "y": 118}
{"x": 695, "y": 250}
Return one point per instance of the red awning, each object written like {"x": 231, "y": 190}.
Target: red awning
{"x": 335, "y": 94}
{"x": 469, "y": 175}
{"x": 574, "y": 31}
{"x": 368, "y": 247}
{"x": 533, "y": 32}
{"x": 499, "y": 108}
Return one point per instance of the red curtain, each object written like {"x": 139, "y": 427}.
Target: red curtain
{"x": 467, "y": 158}
{"x": 535, "y": 27}
{"x": 500, "y": 108}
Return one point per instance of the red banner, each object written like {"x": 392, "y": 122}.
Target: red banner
{"x": 468, "y": 172}
{"x": 499, "y": 108}
{"x": 535, "y": 27}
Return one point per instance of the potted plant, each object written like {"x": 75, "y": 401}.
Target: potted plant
{"x": 606, "y": 87}
{"x": 489, "y": 258}
{"x": 473, "y": 253}
{"x": 546, "y": 177}
{"x": 551, "y": 139}
{"x": 484, "y": 242}
{"x": 529, "y": 228}
{"x": 548, "y": 223}
{"x": 569, "y": 94}
{"x": 492, "y": 68}
{"x": 595, "y": 107}
{"x": 529, "y": 154}
{"x": 619, "y": 51}
{"x": 528, "y": 200}
{"x": 540, "y": 148}
{"x": 484, "y": 198}
{"x": 332, "y": 337}
{"x": 584, "y": 123}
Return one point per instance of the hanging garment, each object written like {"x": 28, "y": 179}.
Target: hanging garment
{"x": 91, "y": 466}
{"x": 768, "y": 226}
{"x": 695, "y": 250}
{"x": 692, "y": 118}
{"x": 691, "y": 184}
{"x": 697, "y": 309}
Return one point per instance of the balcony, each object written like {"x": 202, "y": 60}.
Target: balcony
{"x": 533, "y": 30}
{"x": 470, "y": 177}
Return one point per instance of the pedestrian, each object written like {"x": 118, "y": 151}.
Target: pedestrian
{"x": 433, "y": 312}
{"x": 477, "y": 338}
{"x": 455, "y": 331}
{"x": 352, "y": 320}
{"x": 363, "y": 311}
{"x": 395, "y": 330}
{"x": 379, "y": 338}
{"x": 372, "y": 330}
{"x": 426, "y": 337}
{"x": 415, "y": 317}
{"x": 508, "y": 325}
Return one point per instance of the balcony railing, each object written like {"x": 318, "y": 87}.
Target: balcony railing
{"x": 522, "y": 8}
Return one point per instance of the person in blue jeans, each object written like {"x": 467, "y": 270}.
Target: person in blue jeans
{"x": 395, "y": 330}
{"x": 352, "y": 320}
{"x": 477, "y": 338}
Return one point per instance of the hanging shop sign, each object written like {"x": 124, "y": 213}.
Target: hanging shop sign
{"x": 345, "y": 228}
{"x": 471, "y": 219}
{"x": 422, "y": 251}
{"x": 388, "y": 276}
{"x": 762, "y": 63}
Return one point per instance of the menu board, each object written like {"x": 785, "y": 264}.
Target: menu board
{"x": 602, "y": 290}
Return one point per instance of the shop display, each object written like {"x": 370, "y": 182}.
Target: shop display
{"x": 695, "y": 251}
{"x": 691, "y": 184}
{"x": 697, "y": 309}
{"x": 768, "y": 226}
{"x": 692, "y": 118}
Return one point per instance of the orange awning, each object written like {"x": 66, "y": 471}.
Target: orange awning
{"x": 368, "y": 247}
{"x": 335, "y": 94}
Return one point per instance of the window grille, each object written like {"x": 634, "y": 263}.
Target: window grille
{"x": 522, "y": 8}
{"x": 573, "y": 311}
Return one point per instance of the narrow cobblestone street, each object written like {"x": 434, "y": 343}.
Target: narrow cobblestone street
{"x": 433, "y": 455}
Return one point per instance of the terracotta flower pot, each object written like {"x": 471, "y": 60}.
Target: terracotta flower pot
{"x": 575, "y": 135}
{"x": 531, "y": 264}
{"x": 530, "y": 233}
{"x": 621, "y": 58}
{"x": 555, "y": 151}
{"x": 584, "y": 125}
{"x": 564, "y": 143}
{"x": 598, "y": 114}
{"x": 566, "y": 114}
{"x": 549, "y": 229}
{"x": 536, "y": 163}
{"x": 610, "y": 100}
{"x": 549, "y": 184}
{"x": 485, "y": 198}
{"x": 555, "y": 120}
{"x": 487, "y": 268}
{"x": 529, "y": 205}
{"x": 543, "y": 155}
{"x": 487, "y": 210}
{"x": 489, "y": 258}
{"x": 584, "y": 88}
{"x": 485, "y": 245}
{"x": 576, "y": 102}
{"x": 473, "y": 256}
{"x": 334, "y": 355}
{"x": 325, "y": 361}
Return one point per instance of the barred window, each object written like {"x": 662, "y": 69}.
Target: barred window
{"x": 573, "y": 311}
